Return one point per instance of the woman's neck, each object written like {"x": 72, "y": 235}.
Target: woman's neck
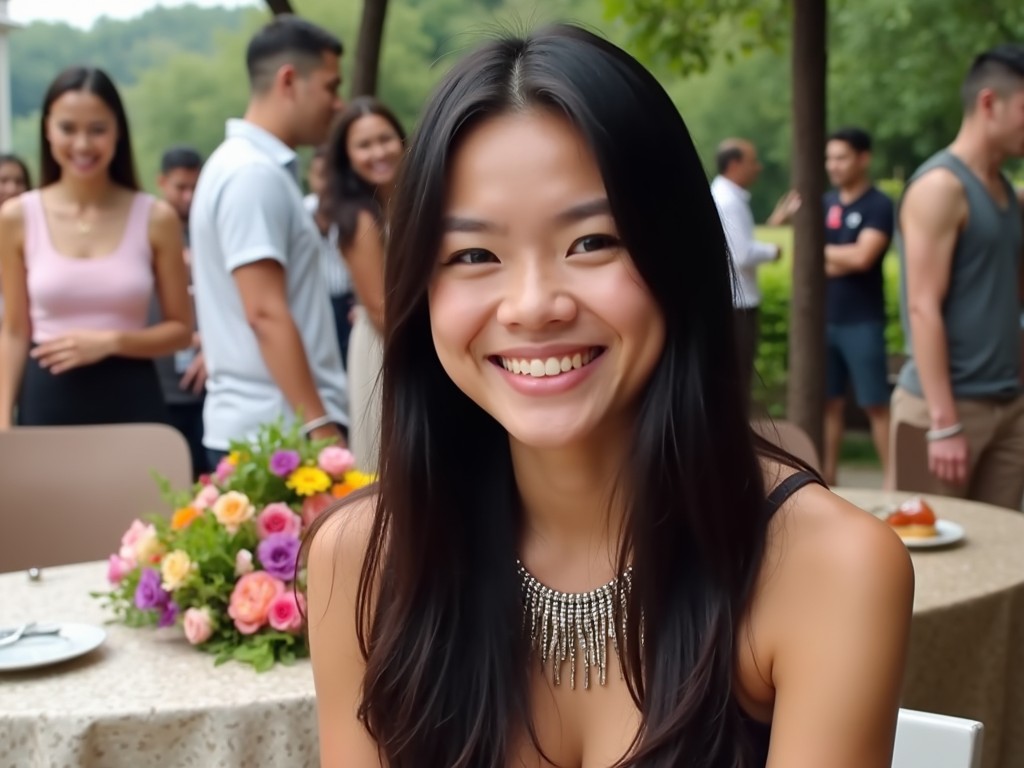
{"x": 573, "y": 510}
{"x": 93, "y": 192}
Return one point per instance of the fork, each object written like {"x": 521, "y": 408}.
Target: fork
{"x": 12, "y": 639}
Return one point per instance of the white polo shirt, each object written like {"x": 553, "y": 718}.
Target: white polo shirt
{"x": 248, "y": 207}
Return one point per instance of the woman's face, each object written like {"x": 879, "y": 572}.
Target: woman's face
{"x": 537, "y": 311}
{"x": 12, "y": 181}
{"x": 374, "y": 149}
{"x": 82, "y": 132}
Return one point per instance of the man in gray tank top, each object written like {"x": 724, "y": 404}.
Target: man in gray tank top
{"x": 961, "y": 248}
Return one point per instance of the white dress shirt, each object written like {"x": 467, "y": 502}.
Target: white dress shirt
{"x": 747, "y": 253}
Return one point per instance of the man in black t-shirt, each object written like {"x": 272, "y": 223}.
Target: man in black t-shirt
{"x": 858, "y": 229}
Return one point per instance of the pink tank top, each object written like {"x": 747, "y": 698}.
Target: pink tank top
{"x": 110, "y": 293}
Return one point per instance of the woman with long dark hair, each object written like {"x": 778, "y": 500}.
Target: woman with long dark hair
{"x": 364, "y": 153}
{"x": 81, "y": 257}
{"x": 578, "y": 554}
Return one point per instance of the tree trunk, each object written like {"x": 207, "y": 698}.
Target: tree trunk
{"x": 806, "y": 396}
{"x": 277, "y": 7}
{"x": 371, "y": 33}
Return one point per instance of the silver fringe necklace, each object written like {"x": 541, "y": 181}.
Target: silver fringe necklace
{"x": 574, "y": 628}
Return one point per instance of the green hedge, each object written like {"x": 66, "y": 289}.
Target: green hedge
{"x": 776, "y": 287}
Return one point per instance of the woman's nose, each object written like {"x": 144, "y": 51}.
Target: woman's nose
{"x": 535, "y": 296}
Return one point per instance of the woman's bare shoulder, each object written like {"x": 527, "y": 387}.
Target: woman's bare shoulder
{"x": 338, "y": 546}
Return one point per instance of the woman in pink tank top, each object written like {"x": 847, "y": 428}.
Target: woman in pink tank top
{"x": 80, "y": 259}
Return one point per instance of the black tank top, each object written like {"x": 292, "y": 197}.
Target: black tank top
{"x": 758, "y": 734}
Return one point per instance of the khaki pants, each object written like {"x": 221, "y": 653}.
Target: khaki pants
{"x": 995, "y": 444}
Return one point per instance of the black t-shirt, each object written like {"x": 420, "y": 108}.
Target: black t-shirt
{"x": 856, "y": 297}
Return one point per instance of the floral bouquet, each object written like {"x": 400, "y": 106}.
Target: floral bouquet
{"x": 225, "y": 565}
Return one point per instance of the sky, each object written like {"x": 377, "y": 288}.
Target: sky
{"x": 82, "y": 13}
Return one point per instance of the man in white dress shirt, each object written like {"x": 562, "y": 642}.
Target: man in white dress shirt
{"x": 738, "y": 168}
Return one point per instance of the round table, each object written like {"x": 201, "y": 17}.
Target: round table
{"x": 145, "y": 698}
{"x": 966, "y": 653}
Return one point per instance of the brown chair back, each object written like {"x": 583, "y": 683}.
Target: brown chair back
{"x": 67, "y": 494}
{"x": 911, "y": 456}
{"x": 789, "y": 437}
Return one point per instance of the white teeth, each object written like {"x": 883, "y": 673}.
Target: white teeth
{"x": 552, "y": 366}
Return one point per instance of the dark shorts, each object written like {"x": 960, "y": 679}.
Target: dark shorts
{"x": 857, "y": 352}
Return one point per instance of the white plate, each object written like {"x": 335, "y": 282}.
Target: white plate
{"x": 949, "y": 533}
{"x": 74, "y": 640}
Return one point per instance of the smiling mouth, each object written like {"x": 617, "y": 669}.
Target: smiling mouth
{"x": 539, "y": 368}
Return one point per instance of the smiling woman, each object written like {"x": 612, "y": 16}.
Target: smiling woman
{"x": 579, "y": 554}
{"x": 81, "y": 258}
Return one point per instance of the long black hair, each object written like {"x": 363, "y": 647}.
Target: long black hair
{"x": 439, "y": 613}
{"x": 348, "y": 193}
{"x": 98, "y": 83}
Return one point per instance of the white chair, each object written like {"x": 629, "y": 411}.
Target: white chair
{"x": 926, "y": 740}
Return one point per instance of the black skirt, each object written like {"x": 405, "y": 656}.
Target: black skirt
{"x": 117, "y": 390}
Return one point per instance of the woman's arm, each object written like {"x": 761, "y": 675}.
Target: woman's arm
{"x": 365, "y": 258}
{"x": 335, "y": 560}
{"x": 171, "y": 284}
{"x": 16, "y": 327}
{"x": 174, "y": 332}
{"x": 840, "y": 612}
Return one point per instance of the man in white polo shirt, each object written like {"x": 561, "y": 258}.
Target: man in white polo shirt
{"x": 268, "y": 331}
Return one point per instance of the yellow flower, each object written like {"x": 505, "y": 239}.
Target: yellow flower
{"x": 232, "y": 509}
{"x": 174, "y": 569}
{"x": 307, "y": 481}
{"x": 234, "y": 458}
{"x": 359, "y": 479}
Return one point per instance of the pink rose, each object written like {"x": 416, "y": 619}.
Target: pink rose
{"x": 314, "y": 506}
{"x": 278, "y": 518}
{"x": 243, "y": 562}
{"x": 285, "y": 612}
{"x": 205, "y": 498}
{"x": 336, "y": 461}
{"x": 136, "y": 531}
{"x": 250, "y": 600}
{"x": 117, "y": 568}
{"x": 198, "y": 626}
{"x": 225, "y": 469}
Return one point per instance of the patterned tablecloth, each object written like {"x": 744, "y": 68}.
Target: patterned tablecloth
{"x": 967, "y": 639}
{"x": 145, "y": 698}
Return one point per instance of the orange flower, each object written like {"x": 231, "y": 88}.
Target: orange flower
{"x": 183, "y": 518}
{"x": 341, "y": 490}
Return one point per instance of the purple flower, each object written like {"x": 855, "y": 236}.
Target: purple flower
{"x": 278, "y": 554}
{"x": 149, "y": 593}
{"x": 168, "y": 614}
{"x": 283, "y": 463}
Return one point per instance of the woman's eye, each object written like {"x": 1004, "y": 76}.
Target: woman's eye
{"x": 473, "y": 256}
{"x": 592, "y": 243}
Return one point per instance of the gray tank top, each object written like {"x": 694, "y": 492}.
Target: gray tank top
{"x": 982, "y": 307}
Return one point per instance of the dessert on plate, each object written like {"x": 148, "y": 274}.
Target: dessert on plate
{"x": 913, "y": 519}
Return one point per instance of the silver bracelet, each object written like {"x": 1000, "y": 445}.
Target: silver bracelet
{"x": 321, "y": 421}
{"x": 941, "y": 434}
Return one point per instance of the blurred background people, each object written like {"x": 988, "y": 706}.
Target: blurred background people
{"x": 268, "y": 333}
{"x": 332, "y": 264}
{"x": 738, "y": 169}
{"x": 858, "y": 230}
{"x": 960, "y": 255}
{"x": 183, "y": 374}
{"x": 81, "y": 259}
{"x": 365, "y": 152}
{"x": 14, "y": 179}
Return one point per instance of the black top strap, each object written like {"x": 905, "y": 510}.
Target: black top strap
{"x": 787, "y": 488}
